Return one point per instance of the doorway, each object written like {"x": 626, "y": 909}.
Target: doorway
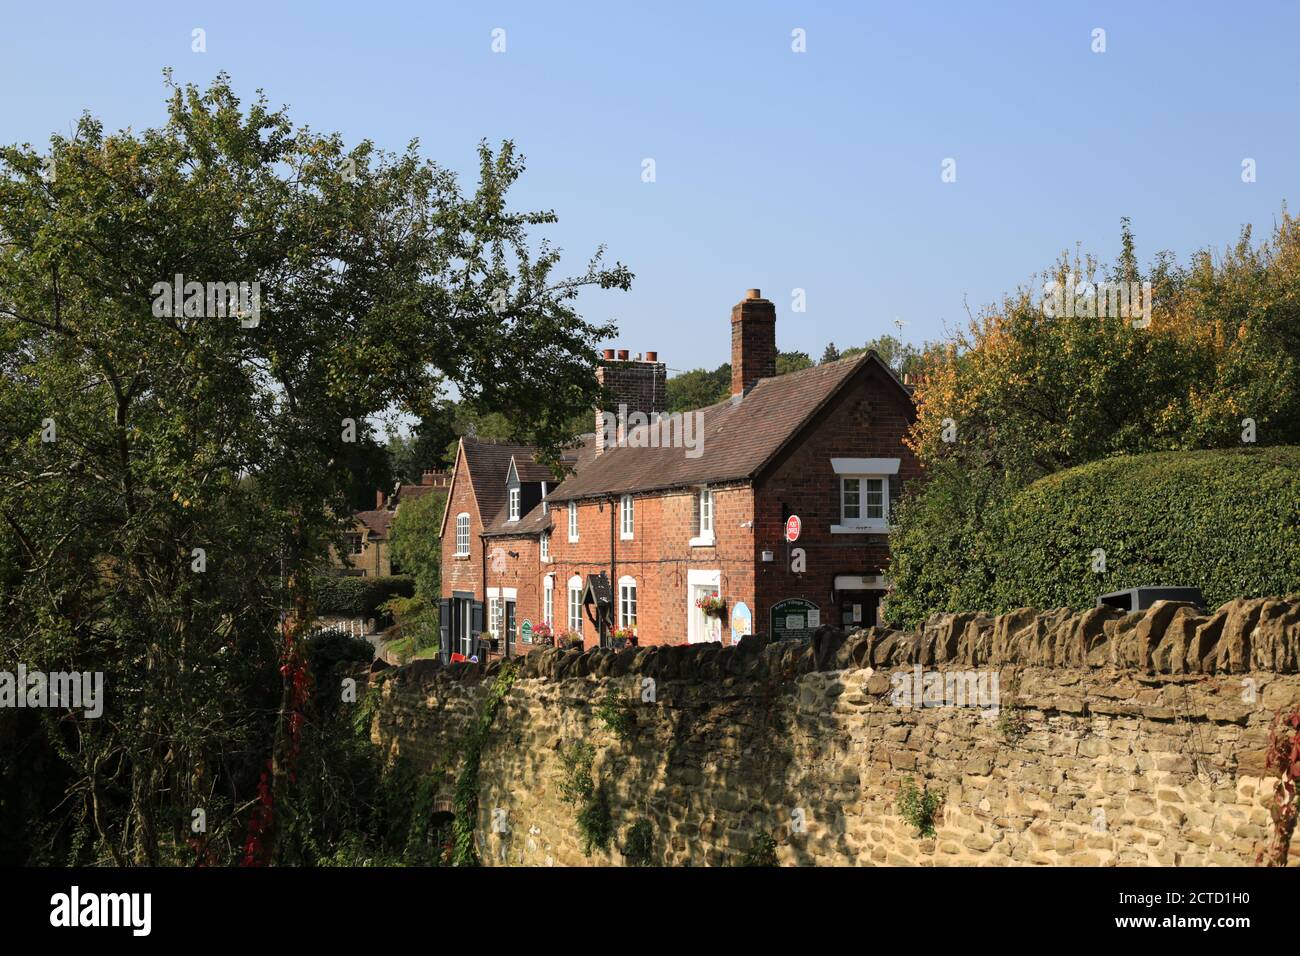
{"x": 701, "y": 627}
{"x": 859, "y": 608}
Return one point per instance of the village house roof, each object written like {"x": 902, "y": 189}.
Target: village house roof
{"x": 376, "y": 521}
{"x": 739, "y": 435}
{"x": 488, "y": 463}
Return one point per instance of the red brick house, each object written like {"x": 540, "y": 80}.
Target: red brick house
{"x": 671, "y": 524}
{"x": 492, "y": 572}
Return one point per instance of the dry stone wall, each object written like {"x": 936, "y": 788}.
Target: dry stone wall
{"x": 1117, "y": 739}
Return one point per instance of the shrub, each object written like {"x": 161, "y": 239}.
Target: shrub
{"x": 918, "y": 807}
{"x": 762, "y": 853}
{"x": 575, "y": 782}
{"x": 616, "y": 714}
{"x": 1224, "y": 521}
{"x": 595, "y": 822}
{"x": 358, "y": 597}
{"x": 638, "y": 843}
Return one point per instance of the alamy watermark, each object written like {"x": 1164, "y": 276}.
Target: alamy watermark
{"x": 971, "y": 688}
{"x": 211, "y": 300}
{"x": 1115, "y": 300}
{"x": 656, "y": 430}
{"x": 77, "y": 690}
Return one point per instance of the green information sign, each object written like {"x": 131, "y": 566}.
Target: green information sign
{"x": 526, "y": 632}
{"x": 794, "y": 619}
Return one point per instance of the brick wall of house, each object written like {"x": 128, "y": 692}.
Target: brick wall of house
{"x": 868, "y": 420}
{"x": 659, "y": 556}
{"x": 458, "y": 573}
{"x": 515, "y": 563}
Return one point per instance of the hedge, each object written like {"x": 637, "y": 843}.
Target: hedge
{"x": 1226, "y": 521}
{"x": 358, "y": 597}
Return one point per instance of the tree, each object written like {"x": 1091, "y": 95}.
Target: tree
{"x": 1024, "y": 392}
{"x": 787, "y": 362}
{"x": 698, "y": 388}
{"x": 830, "y": 354}
{"x": 415, "y": 544}
{"x": 195, "y": 455}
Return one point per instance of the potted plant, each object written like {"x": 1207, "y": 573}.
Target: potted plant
{"x": 542, "y": 634}
{"x": 712, "y": 605}
{"x": 621, "y": 637}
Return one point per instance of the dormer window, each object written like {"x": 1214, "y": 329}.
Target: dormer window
{"x": 514, "y": 504}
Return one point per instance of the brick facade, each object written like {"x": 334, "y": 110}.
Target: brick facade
{"x": 462, "y": 572}
{"x": 772, "y": 456}
{"x": 868, "y": 420}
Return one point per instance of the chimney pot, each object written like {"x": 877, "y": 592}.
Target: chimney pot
{"x": 609, "y": 355}
{"x": 622, "y": 355}
{"x": 652, "y": 356}
{"x": 753, "y": 294}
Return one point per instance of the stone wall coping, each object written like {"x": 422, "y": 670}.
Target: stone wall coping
{"x": 1170, "y": 638}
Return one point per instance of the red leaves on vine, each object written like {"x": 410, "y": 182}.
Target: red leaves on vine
{"x": 1283, "y": 757}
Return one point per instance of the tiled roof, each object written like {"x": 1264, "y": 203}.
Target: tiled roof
{"x": 376, "y": 521}
{"x": 411, "y": 492}
{"x": 736, "y": 440}
{"x": 532, "y": 523}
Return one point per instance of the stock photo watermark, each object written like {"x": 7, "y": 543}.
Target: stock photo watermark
{"x": 34, "y": 689}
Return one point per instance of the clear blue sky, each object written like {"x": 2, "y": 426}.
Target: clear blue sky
{"x": 778, "y": 170}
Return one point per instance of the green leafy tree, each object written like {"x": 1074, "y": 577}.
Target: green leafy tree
{"x": 415, "y": 544}
{"x": 698, "y": 388}
{"x": 1021, "y": 394}
{"x": 787, "y": 362}
{"x": 170, "y": 477}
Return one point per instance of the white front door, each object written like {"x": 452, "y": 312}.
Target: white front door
{"x": 700, "y": 626}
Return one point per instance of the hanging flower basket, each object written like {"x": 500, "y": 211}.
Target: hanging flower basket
{"x": 621, "y": 637}
{"x": 712, "y": 605}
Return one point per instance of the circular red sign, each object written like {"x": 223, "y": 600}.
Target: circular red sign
{"x": 792, "y": 528}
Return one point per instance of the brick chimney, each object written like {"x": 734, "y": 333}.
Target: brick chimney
{"x": 379, "y": 499}
{"x": 753, "y": 342}
{"x": 642, "y": 386}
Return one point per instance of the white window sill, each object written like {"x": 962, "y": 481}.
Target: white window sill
{"x": 624, "y": 537}
{"x": 703, "y": 541}
{"x": 461, "y": 557}
{"x": 573, "y": 540}
{"x": 859, "y": 529}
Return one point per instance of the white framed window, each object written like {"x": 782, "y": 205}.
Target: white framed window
{"x": 548, "y": 601}
{"x": 575, "y": 604}
{"x": 626, "y": 515}
{"x": 544, "y": 546}
{"x": 462, "y": 534}
{"x": 573, "y": 521}
{"x": 864, "y": 502}
{"x": 627, "y": 602}
{"x": 703, "y": 517}
{"x": 514, "y": 504}
{"x": 496, "y": 616}
{"x": 545, "y": 509}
